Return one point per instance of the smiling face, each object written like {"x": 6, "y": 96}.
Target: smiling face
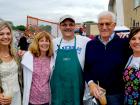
{"x": 43, "y": 44}
{"x": 106, "y": 26}
{"x": 5, "y": 37}
{"x": 135, "y": 43}
{"x": 67, "y": 28}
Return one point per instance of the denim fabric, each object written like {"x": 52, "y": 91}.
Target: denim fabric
{"x": 41, "y": 104}
{"x": 117, "y": 99}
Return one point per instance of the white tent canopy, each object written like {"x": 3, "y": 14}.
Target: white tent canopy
{"x": 121, "y": 28}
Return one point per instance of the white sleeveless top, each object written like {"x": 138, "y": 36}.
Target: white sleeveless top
{"x": 9, "y": 78}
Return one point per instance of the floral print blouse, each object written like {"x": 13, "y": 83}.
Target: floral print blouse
{"x": 132, "y": 81}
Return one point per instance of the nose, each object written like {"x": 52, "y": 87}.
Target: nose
{"x": 104, "y": 26}
{"x": 68, "y": 26}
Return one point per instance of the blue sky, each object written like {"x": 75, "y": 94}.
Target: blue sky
{"x": 82, "y": 10}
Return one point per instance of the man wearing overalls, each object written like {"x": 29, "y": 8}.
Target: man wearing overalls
{"x": 67, "y": 83}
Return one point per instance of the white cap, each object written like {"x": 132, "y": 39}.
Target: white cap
{"x": 66, "y": 17}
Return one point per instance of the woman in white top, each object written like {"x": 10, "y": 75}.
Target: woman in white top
{"x": 36, "y": 70}
{"x": 10, "y": 93}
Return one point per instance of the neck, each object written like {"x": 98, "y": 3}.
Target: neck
{"x": 68, "y": 38}
{"x": 4, "y": 50}
{"x": 43, "y": 54}
{"x": 105, "y": 39}
{"x": 136, "y": 54}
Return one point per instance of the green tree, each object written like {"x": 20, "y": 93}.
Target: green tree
{"x": 20, "y": 27}
{"x": 46, "y": 28}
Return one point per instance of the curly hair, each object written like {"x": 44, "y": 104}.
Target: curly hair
{"x": 133, "y": 32}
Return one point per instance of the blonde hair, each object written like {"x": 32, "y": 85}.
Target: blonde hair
{"x": 5, "y": 24}
{"x": 34, "y": 46}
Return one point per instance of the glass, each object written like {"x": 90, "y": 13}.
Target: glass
{"x": 102, "y": 98}
{"x": 8, "y": 90}
{"x": 65, "y": 25}
{"x": 106, "y": 24}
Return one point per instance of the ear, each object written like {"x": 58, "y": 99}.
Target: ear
{"x": 114, "y": 24}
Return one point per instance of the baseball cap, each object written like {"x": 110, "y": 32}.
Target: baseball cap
{"x": 66, "y": 17}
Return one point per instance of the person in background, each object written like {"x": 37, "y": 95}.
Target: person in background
{"x": 23, "y": 44}
{"x": 81, "y": 31}
{"x": 10, "y": 69}
{"x": 105, "y": 59}
{"x": 132, "y": 70}
{"x": 36, "y": 70}
{"x": 67, "y": 82}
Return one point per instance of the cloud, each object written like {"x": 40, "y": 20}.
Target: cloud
{"x": 83, "y": 10}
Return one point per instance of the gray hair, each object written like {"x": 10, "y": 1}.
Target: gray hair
{"x": 107, "y": 13}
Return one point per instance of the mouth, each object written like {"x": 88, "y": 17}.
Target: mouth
{"x": 137, "y": 46}
{"x": 68, "y": 30}
{"x": 5, "y": 41}
{"x": 44, "y": 46}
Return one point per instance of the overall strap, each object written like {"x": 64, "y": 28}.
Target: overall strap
{"x": 60, "y": 43}
{"x": 74, "y": 43}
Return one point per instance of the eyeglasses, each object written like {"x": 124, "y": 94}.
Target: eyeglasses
{"x": 106, "y": 24}
{"x": 65, "y": 25}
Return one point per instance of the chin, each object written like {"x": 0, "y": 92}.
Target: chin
{"x": 138, "y": 50}
{"x": 44, "y": 50}
{"x": 68, "y": 35}
{"x": 6, "y": 44}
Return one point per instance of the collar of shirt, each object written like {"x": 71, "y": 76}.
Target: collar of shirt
{"x": 110, "y": 38}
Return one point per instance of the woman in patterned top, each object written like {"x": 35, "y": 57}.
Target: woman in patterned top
{"x": 36, "y": 70}
{"x": 10, "y": 72}
{"x": 132, "y": 70}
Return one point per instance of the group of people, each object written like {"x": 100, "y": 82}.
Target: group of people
{"x": 67, "y": 69}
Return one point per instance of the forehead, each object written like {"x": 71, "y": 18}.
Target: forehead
{"x": 67, "y": 20}
{"x": 5, "y": 28}
{"x": 44, "y": 38}
{"x": 137, "y": 34}
{"x": 105, "y": 19}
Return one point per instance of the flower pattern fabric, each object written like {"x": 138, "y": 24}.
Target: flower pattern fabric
{"x": 132, "y": 85}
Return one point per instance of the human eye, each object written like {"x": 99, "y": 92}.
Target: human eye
{"x": 1, "y": 33}
{"x": 100, "y": 24}
{"x": 8, "y": 33}
{"x": 71, "y": 24}
{"x": 108, "y": 24}
{"x": 47, "y": 41}
{"x": 64, "y": 25}
{"x": 133, "y": 38}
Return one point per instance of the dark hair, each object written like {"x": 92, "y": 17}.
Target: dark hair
{"x": 133, "y": 32}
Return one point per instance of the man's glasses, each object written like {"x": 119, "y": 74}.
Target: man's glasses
{"x": 65, "y": 25}
{"x": 106, "y": 24}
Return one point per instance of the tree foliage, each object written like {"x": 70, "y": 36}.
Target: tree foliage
{"x": 46, "y": 28}
{"x": 20, "y": 27}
